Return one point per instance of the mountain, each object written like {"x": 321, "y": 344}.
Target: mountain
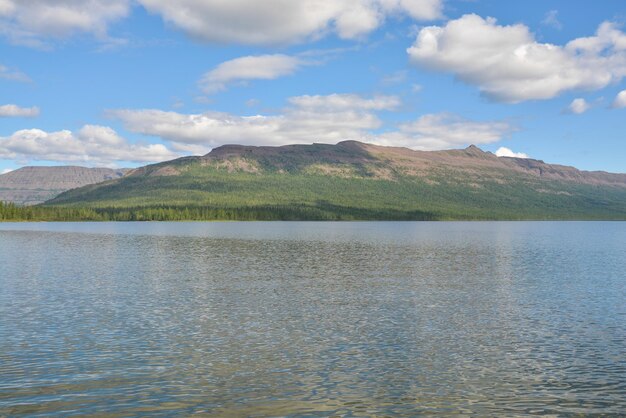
{"x": 353, "y": 180}
{"x": 32, "y": 185}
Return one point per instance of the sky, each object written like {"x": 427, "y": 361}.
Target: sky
{"x": 124, "y": 83}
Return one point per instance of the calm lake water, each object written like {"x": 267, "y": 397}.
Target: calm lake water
{"x": 313, "y": 319}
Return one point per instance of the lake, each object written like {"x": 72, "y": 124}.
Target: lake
{"x": 313, "y": 319}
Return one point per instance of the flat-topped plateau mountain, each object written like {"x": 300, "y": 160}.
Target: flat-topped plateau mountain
{"x": 354, "y": 180}
{"x": 32, "y": 185}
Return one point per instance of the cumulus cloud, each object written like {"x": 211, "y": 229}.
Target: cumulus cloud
{"x": 308, "y": 119}
{"x": 620, "y": 100}
{"x": 28, "y": 22}
{"x": 260, "y": 67}
{"x": 509, "y": 65}
{"x": 285, "y": 21}
{"x": 92, "y": 145}
{"x": 6, "y": 170}
{"x": 445, "y": 130}
{"x": 11, "y": 110}
{"x": 578, "y": 106}
{"x": 13, "y": 74}
{"x": 235, "y": 21}
{"x": 506, "y": 152}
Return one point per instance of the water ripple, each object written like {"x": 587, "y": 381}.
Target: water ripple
{"x": 313, "y": 319}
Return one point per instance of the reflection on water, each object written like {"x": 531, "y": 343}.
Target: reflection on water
{"x": 317, "y": 319}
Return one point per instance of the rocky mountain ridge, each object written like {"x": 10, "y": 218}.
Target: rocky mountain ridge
{"x": 357, "y": 159}
{"x": 32, "y": 185}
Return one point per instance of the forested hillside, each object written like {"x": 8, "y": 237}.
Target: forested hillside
{"x": 352, "y": 180}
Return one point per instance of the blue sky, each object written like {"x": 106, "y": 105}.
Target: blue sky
{"x": 129, "y": 82}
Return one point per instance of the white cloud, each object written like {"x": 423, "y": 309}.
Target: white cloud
{"x": 31, "y": 22}
{"x": 285, "y": 21}
{"x": 6, "y": 170}
{"x": 310, "y": 119}
{"x": 335, "y": 102}
{"x": 509, "y": 65}
{"x": 13, "y": 74}
{"x": 11, "y": 110}
{"x": 444, "y": 130}
{"x": 93, "y": 145}
{"x": 260, "y": 67}
{"x": 620, "y": 100}
{"x": 578, "y": 106}
{"x": 27, "y": 22}
{"x": 552, "y": 19}
{"x": 506, "y": 152}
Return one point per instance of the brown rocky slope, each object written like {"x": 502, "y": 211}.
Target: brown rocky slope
{"x": 357, "y": 159}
